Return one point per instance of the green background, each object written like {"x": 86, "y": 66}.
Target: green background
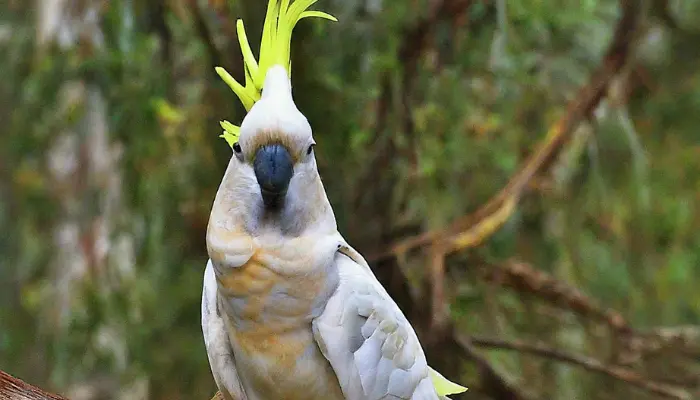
{"x": 422, "y": 110}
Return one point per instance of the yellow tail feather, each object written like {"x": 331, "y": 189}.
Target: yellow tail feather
{"x": 443, "y": 386}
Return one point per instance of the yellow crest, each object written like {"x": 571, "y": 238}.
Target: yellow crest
{"x": 280, "y": 20}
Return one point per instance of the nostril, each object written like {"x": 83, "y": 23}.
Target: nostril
{"x": 268, "y": 186}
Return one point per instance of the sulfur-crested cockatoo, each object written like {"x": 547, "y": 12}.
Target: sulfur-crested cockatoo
{"x": 289, "y": 309}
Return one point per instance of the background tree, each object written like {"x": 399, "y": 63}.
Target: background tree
{"x": 523, "y": 176}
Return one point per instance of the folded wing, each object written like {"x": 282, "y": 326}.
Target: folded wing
{"x": 368, "y": 341}
{"x": 219, "y": 351}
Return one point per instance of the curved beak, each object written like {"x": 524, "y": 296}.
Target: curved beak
{"x": 273, "y": 168}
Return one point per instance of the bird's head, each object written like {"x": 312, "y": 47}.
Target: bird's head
{"x": 272, "y": 180}
{"x": 273, "y": 164}
{"x": 276, "y": 144}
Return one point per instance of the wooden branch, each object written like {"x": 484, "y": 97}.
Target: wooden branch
{"x": 684, "y": 339}
{"x": 525, "y": 278}
{"x": 685, "y": 333}
{"x": 590, "y": 364}
{"x": 471, "y": 230}
{"x": 634, "y": 345}
{"x": 492, "y": 382}
{"x": 12, "y": 388}
{"x": 439, "y": 316}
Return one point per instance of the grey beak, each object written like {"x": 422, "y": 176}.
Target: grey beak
{"x": 273, "y": 168}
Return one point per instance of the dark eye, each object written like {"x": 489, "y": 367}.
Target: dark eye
{"x": 310, "y": 149}
{"x": 237, "y": 147}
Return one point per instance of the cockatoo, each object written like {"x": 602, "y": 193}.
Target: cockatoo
{"x": 289, "y": 309}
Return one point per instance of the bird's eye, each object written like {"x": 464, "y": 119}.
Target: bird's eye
{"x": 237, "y": 148}
{"x": 310, "y": 149}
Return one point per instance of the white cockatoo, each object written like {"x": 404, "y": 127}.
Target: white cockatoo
{"x": 289, "y": 309}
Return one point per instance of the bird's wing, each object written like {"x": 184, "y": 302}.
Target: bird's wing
{"x": 221, "y": 359}
{"x": 368, "y": 341}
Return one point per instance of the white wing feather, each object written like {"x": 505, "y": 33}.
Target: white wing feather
{"x": 219, "y": 351}
{"x": 368, "y": 341}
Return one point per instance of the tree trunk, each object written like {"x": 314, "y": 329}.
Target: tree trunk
{"x": 85, "y": 174}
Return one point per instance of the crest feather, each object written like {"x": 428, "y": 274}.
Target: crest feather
{"x": 275, "y": 48}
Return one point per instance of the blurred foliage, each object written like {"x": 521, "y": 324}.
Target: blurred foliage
{"x": 616, "y": 216}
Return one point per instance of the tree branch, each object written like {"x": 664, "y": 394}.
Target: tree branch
{"x": 473, "y": 229}
{"x": 685, "y": 339}
{"x": 443, "y": 351}
{"x": 492, "y": 382}
{"x": 526, "y": 279}
{"x": 12, "y": 388}
{"x": 590, "y": 364}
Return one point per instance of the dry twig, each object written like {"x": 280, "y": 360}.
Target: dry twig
{"x": 590, "y": 364}
{"x": 526, "y": 279}
{"x": 685, "y": 339}
{"x": 492, "y": 381}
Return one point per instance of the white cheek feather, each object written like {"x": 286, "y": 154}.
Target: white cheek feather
{"x": 301, "y": 201}
{"x": 247, "y": 202}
